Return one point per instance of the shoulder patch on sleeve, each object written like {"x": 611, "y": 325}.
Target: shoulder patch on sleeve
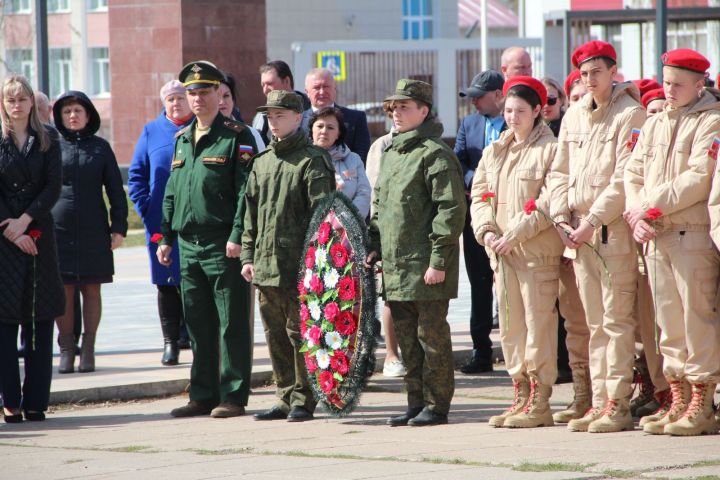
{"x": 634, "y": 134}
{"x": 234, "y": 126}
{"x": 714, "y": 148}
{"x": 181, "y": 131}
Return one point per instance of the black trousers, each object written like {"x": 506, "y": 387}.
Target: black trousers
{"x": 480, "y": 275}
{"x": 35, "y": 391}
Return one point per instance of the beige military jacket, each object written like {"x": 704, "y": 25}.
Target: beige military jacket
{"x": 524, "y": 177}
{"x": 673, "y": 163}
{"x": 593, "y": 147}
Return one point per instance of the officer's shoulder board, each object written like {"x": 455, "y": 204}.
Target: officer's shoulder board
{"x": 234, "y": 126}
{"x": 181, "y": 131}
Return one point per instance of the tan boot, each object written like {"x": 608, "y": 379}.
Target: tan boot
{"x": 537, "y": 409}
{"x": 664, "y": 401}
{"x": 522, "y": 393}
{"x": 582, "y": 424}
{"x": 581, "y": 399}
{"x": 699, "y": 418}
{"x": 615, "y": 418}
{"x": 680, "y": 392}
{"x": 87, "y": 353}
{"x": 647, "y": 390}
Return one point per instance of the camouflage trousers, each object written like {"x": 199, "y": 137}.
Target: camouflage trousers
{"x": 280, "y": 312}
{"x": 424, "y": 337}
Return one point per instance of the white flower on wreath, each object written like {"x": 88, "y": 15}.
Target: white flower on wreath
{"x": 323, "y": 359}
{"x": 321, "y": 257}
{"x": 331, "y": 278}
{"x": 307, "y": 278}
{"x": 333, "y": 340}
{"x": 315, "y": 310}
{"x": 308, "y": 339}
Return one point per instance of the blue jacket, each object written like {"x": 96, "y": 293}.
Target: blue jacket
{"x": 147, "y": 176}
{"x": 357, "y": 133}
{"x": 470, "y": 143}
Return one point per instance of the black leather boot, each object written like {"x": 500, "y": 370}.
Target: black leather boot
{"x": 171, "y": 331}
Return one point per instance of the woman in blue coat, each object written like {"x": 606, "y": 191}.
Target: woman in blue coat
{"x": 147, "y": 176}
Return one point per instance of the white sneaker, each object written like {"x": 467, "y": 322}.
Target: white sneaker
{"x": 394, "y": 369}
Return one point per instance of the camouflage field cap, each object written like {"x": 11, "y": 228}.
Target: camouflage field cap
{"x": 407, "y": 89}
{"x": 283, "y": 99}
{"x": 200, "y": 74}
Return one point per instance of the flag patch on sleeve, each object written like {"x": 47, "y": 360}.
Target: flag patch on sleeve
{"x": 714, "y": 148}
{"x": 634, "y": 134}
{"x": 245, "y": 152}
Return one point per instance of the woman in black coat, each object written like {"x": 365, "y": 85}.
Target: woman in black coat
{"x": 31, "y": 293}
{"x": 85, "y": 238}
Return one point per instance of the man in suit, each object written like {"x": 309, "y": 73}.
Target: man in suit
{"x": 477, "y": 131}
{"x": 320, "y": 87}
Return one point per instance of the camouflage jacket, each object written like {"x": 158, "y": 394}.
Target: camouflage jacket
{"x": 419, "y": 214}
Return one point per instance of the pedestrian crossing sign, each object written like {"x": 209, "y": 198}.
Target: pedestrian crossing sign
{"x": 333, "y": 61}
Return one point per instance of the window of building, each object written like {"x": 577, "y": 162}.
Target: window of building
{"x": 20, "y": 60}
{"x": 692, "y": 35}
{"x": 417, "y": 19}
{"x": 58, "y": 6}
{"x": 100, "y": 71}
{"x": 60, "y": 71}
{"x": 97, "y": 5}
{"x": 17, "y": 6}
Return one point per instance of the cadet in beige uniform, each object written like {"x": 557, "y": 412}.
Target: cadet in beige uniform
{"x": 588, "y": 196}
{"x": 524, "y": 250}
{"x": 672, "y": 170}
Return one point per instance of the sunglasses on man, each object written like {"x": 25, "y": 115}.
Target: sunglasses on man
{"x": 552, "y": 101}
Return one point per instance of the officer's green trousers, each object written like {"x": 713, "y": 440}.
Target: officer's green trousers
{"x": 216, "y": 300}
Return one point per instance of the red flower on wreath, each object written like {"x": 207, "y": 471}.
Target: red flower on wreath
{"x": 339, "y": 255}
{"x": 324, "y": 233}
{"x": 316, "y": 285}
{"x": 530, "y": 206}
{"x": 310, "y": 258}
{"x": 301, "y": 288}
{"x": 345, "y": 323}
{"x": 156, "y": 238}
{"x": 35, "y": 234}
{"x": 310, "y": 363}
{"x": 315, "y": 334}
{"x": 487, "y": 196}
{"x": 346, "y": 289}
{"x": 304, "y": 313}
{"x": 327, "y": 381}
{"x": 654, "y": 213}
{"x": 332, "y": 310}
{"x": 339, "y": 362}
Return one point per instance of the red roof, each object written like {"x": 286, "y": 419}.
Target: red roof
{"x": 498, "y": 15}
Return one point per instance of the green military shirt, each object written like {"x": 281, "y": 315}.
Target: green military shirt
{"x": 206, "y": 188}
{"x": 419, "y": 214}
{"x": 286, "y": 183}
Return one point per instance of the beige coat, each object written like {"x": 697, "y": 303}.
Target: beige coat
{"x": 529, "y": 163}
{"x": 672, "y": 167}
{"x": 587, "y": 174}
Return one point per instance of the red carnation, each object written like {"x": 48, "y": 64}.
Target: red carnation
{"x": 310, "y": 363}
{"x": 653, "y": 213}
{"x": 324, "y": 233}
{"x": 327, "y": 381}
{"x": 339, "y": 255}
{"x": 310, "y": 258}
{"x": 301, "y": 288}
{"x": 530, "y": 206}
{"x": 156, "y": 237}
{"x": 316, "y": 284}
{"x": 332, "y": 310}
{"x": 315, "y": 334}
{"x": 345, "y": 324}
{"x": 304, "y": 313}
{"x": 339, "y": 363}
{"x": 35, "y": 234}
{"x": 487, "y": 196}
{"x": 346, "y": 289}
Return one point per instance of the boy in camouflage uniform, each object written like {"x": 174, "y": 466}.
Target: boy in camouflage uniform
{"x": 419, "y": 214}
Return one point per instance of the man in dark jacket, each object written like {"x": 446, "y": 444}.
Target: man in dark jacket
{"x": 320, "y": 87}
{"x": 477, "y": 131}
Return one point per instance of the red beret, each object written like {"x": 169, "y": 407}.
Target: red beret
{"x": 646, "y": 84}
{"x": 532, "y": 83}
{"x": 649, "y": 96}
{"x": 592, "y": 50}
{"x": 570, "y": 80}
{"x": 686, "y": 59}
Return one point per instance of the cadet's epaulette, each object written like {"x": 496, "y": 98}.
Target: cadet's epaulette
{"x": 234, "y": 126}
{"x": 181, "y": 131}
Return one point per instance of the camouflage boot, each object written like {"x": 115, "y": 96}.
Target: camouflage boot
{"x": 699, "y": 418}
{"x": 581, "y": 399}
{"x": 647, "y": 391}
{"x": 537, "y": 409}
{"x": 664, "y": 401}
{"x": 615, "y": 418}
{"x": 680, "y": 393}
{"x": 522, "y": 393}
{"x": 582, "y": 424}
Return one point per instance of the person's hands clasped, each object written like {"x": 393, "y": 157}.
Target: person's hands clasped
{"x": 564, "y": 232}
{"x": 501, "y": 246}
{"x": 26, "y": 244}
{"x": 643, "y": 232}
{"x": 232, "y": 250}
{"x": 163, "y": 255}
{"x": 434, "y": 276}
{"x": 583, "y": 233}
{"x": 116, "y": 240}
{"x": 15, "y": 227}
{"x": 633, "y": 216}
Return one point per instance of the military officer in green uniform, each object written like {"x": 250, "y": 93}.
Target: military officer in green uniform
{"x": 203, "y": 212}
{"x": 419, "y": 214}
{"x": 286, "y": 183}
